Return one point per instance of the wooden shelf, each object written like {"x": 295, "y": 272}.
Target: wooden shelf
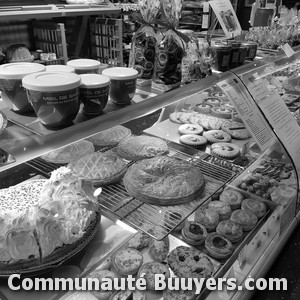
{"x": 8, "y": 13}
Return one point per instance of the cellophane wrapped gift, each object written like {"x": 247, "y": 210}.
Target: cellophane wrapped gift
{"x": 142, "y": 51}
{"x": 170, "y": 50}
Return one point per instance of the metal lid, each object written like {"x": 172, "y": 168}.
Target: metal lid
{"x": 19, "y": 69}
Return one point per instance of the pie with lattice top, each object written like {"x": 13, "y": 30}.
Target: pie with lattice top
{"x": 100, "y": 168}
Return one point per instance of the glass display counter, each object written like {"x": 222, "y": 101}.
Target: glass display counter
{"x": 245, "y": 146}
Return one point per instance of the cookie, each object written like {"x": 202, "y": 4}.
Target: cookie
{"x": 189, "y": 262}
{"x": 218, "y": 246}
{"x": 232, "y": 197}
{"x": 127, "y": 261}
{"x": 210, "y": 122}
{"x": 194, "y": 233}
{"x": 207, "y": 217}
{"x": 217, "y": 136}
{"x": 225, "y": 150}
{"x": 184, "y": 117}
{"x": 237, "y": 131}
{"x": 150, "y": 269}
{"x": 174, "y": 117}
{"x": 193, "y": 140}
{"x": 190, "y": 129}
{"x": 194, "y": 119}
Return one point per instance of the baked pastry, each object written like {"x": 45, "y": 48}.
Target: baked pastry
{"x": 222, "y": 208}
{"x": 218, "y": 246}
{"x": 124, "y": 295}
{"x": 69, "y": 153}
{"x": 210, "y": 122}
{"x": 237, "y": 131}
{"x": 212, "y": 101}
{"x": 194, "y": 119}
{"x": 174, "y": 117}
{"x": 193, "y": 140}
{"x": 232, "y": 197}
{"x": 159, "y": 250}
{"x": 127, "y": 261}
{"x": 172, "y": 218}
{"x": 189, "y": 262}
{"x": 140, "y": 147}
{"x": 246, "y": 218}
{"x": 222, "y": 112}
{"x": 190, "y": 129}
{"x": 231, "y": 230}
{"x": 207, "y": 217}
{"x": 225, "y": 150}
{"x": 203, "y": 108}
{"x": 179, "y": 294}
{"x": 194, "y": 233}
{"x": 100, "y": 275}
{"x": 217, "y": 136}
{"x": 139, "y": 241}
{"x": 220, "y": 95}
{"x": 110, "y": 137}
{"x": 164, "y": 180}
{"x": 100, "y": 168}
{"x": 257, "y": 207}
{"x": 185, "y": 116}
{"x": 150, "y": 269}
{"x": 18, "y": 53}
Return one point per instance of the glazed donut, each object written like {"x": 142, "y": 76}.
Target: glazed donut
{"x": 222, "y": 208}
{"x": 218, "y": 246}
{"x": 257, "y": 207}
{"x": 231, "y": 230}
{"x": 207, "y": 217}
{"x": 232, "y": 197}
{"x": 194, "y": 233}
{"x": 246, "y": 218}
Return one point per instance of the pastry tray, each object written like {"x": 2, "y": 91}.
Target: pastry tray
{"x": 115, "y": 200}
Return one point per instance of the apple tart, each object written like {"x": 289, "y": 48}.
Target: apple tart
{"x": 164, "y": 180}
{"x": 100, "y": 168}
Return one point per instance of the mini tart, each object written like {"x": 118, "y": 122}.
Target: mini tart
{"x": 222, "y": 112}
{"x": 246, "y": 218}
{"x": 218, "y": 246}
{"x": 173, "y": 217}
{"x": 225, "y": 150}
{"x": 150, "y": 269}
{"x": 232, "y": 197}
{"x": 222, "y": 208}
{"x": 257, "y": 207}
{"x": 212, "y": 101}
{"x": 238, "y": 134}
{"x": 231, "y": 230}
{"x": 127, "y": 261}
{"x": 203, "y": 108}
{"x": 217, "y": 136}
{"x": 193, "y": 140}
{"x": 207, "y": 217}
{"x": 190, "y": 129}
{"x": 220, "y": 95}
{"x": 194, "y": 233}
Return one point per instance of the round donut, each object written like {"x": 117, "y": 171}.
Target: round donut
{"x": 207, "y": 217}
{"x": 194, "y": 233}
{"x": 218, "y": 246}
{"x": 190, "y": 129}
{"x": 225, "y": 150}
{"x": 231, "y": 230}
{"x": 217, "y": 136}
{"x": 164, "y": 180}
{"x": 222, "y": 208}
{"x": 257, "y": 207}
{"x": 232, "y": 197}
{"x": 246, "y": 218}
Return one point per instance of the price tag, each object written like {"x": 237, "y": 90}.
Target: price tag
{"x": 288, "y": 50}
{"x": 242, "y": 257}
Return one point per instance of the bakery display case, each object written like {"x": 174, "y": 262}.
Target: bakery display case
{"x": 226, "y": 149}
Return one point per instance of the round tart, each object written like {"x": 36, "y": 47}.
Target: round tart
{"x": 164, "y": 180}
{"x": 193, "y": 140}
{"x": 218, "y": 246}
{"x": 150, "y": 269}
{"x": 100, "y": 168}
{"x": 110, "y": 137}
{"x": 232, "y": 197}
{"x": 212, "y": 101}
{"x": 257, "y": 207}
{"x": 140, "y": 147}
{"x": 217, "y": 136}
{"x": 190, "y": 129}
{"x": 238, "y": 134}
{"x": 189, "y": 262}
{"x": 69, "y": 153}
{"x": 203, "y": 108}
{"x": 207, "y": 217}
{"x": 225, "y": 150}
{"x": 246, "y": 218}
{"x": 174, "y": 117}
{"x": 231, "y": 230}
{"x": 222, "y": 208}
{"x": 194, "y": 233}
{"x": 220, "y": 95}
{"x": 127, "y": 261}
{"x": 173, "y": 217}
{"x": 222, "y": 112}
